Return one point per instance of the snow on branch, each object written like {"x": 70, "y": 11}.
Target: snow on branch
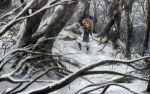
{"x": 113, "y": 73}
{"x": 19, "y": 16}
{"x": 13, "y": 11}
{"x": 106, "y": 87}
{"x": 27, "y": 51}
{"x": 67, "y": 80}
{"x": 42, "y": 74}
{"x": 14, "y": 21}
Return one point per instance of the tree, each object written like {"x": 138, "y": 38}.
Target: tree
{"x": 5, "y": 5}
{"x": 84, "y": 11}
{"x": 146, "y": 37}
{"x": 128, "y": 10}
{"x": 88, "y": 71}
{"x": 95, "y": 16}
{"x": 37, "y": 35}
{"x": 31, "y": 57}
{"x": 113, "y": 22}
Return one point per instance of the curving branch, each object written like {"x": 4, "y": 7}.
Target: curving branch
{"x": 29, "y": 52}
{"x": 13, "y": 11}
{"x": 113, "y": 73}
{"x": 106, "y": 87}
{"x": 10, "y": 91}
{"x": 19, "y": 16}
{"x": 42, "y": 74}
{"x": 85, "y": 70}
{"x": 14, "y": 21}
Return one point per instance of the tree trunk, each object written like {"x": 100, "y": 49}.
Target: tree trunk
{"x": 95, "y": 17}
{"x": 5, "y": 5}
{"x": 147, "y": 32}
{"x": 83, "y": 11}
{"x": 128, "y": 10}
{"x": 55, "y": 23}
{"x": 38, "y": 36}
{"x": 129, "y": 35}
{"x": 111, "y": 19}
{"x": 146, "y": 39}
{"x": 30, "y": 26}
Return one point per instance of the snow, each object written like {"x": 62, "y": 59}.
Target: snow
{"x": 81, "y": 55}
{"x": 71, "y": 48}
{"x": 136, "y": 86}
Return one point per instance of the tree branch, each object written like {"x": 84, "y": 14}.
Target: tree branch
{"x": 67, "y": 80}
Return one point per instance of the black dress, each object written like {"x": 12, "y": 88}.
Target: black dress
{"x": 86, "y": 35}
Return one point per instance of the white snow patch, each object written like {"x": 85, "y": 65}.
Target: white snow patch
{"x": 64, "y": 47}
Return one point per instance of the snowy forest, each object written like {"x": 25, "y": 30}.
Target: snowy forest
{"x": 74, "y": 47}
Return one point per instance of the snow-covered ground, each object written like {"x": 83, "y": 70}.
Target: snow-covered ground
{"x": 70, "y": 49}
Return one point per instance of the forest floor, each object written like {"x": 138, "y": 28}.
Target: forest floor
{"x": 70, "y": 49}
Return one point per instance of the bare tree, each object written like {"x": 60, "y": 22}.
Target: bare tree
{"x": 111, "y": 30}
{"x": 146, "y": 37}
{"x": 95, "y": 16}
{"x": 128, "y": 10}
{"x": 36, "y": 37}
{"x": 88, "y": 71}
{"x": 31, "y": 56}
{"x": 5, "y": 5}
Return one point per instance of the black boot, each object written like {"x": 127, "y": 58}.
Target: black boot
{"x": 80, "y": 47}
{"x": 87, "y": 48}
